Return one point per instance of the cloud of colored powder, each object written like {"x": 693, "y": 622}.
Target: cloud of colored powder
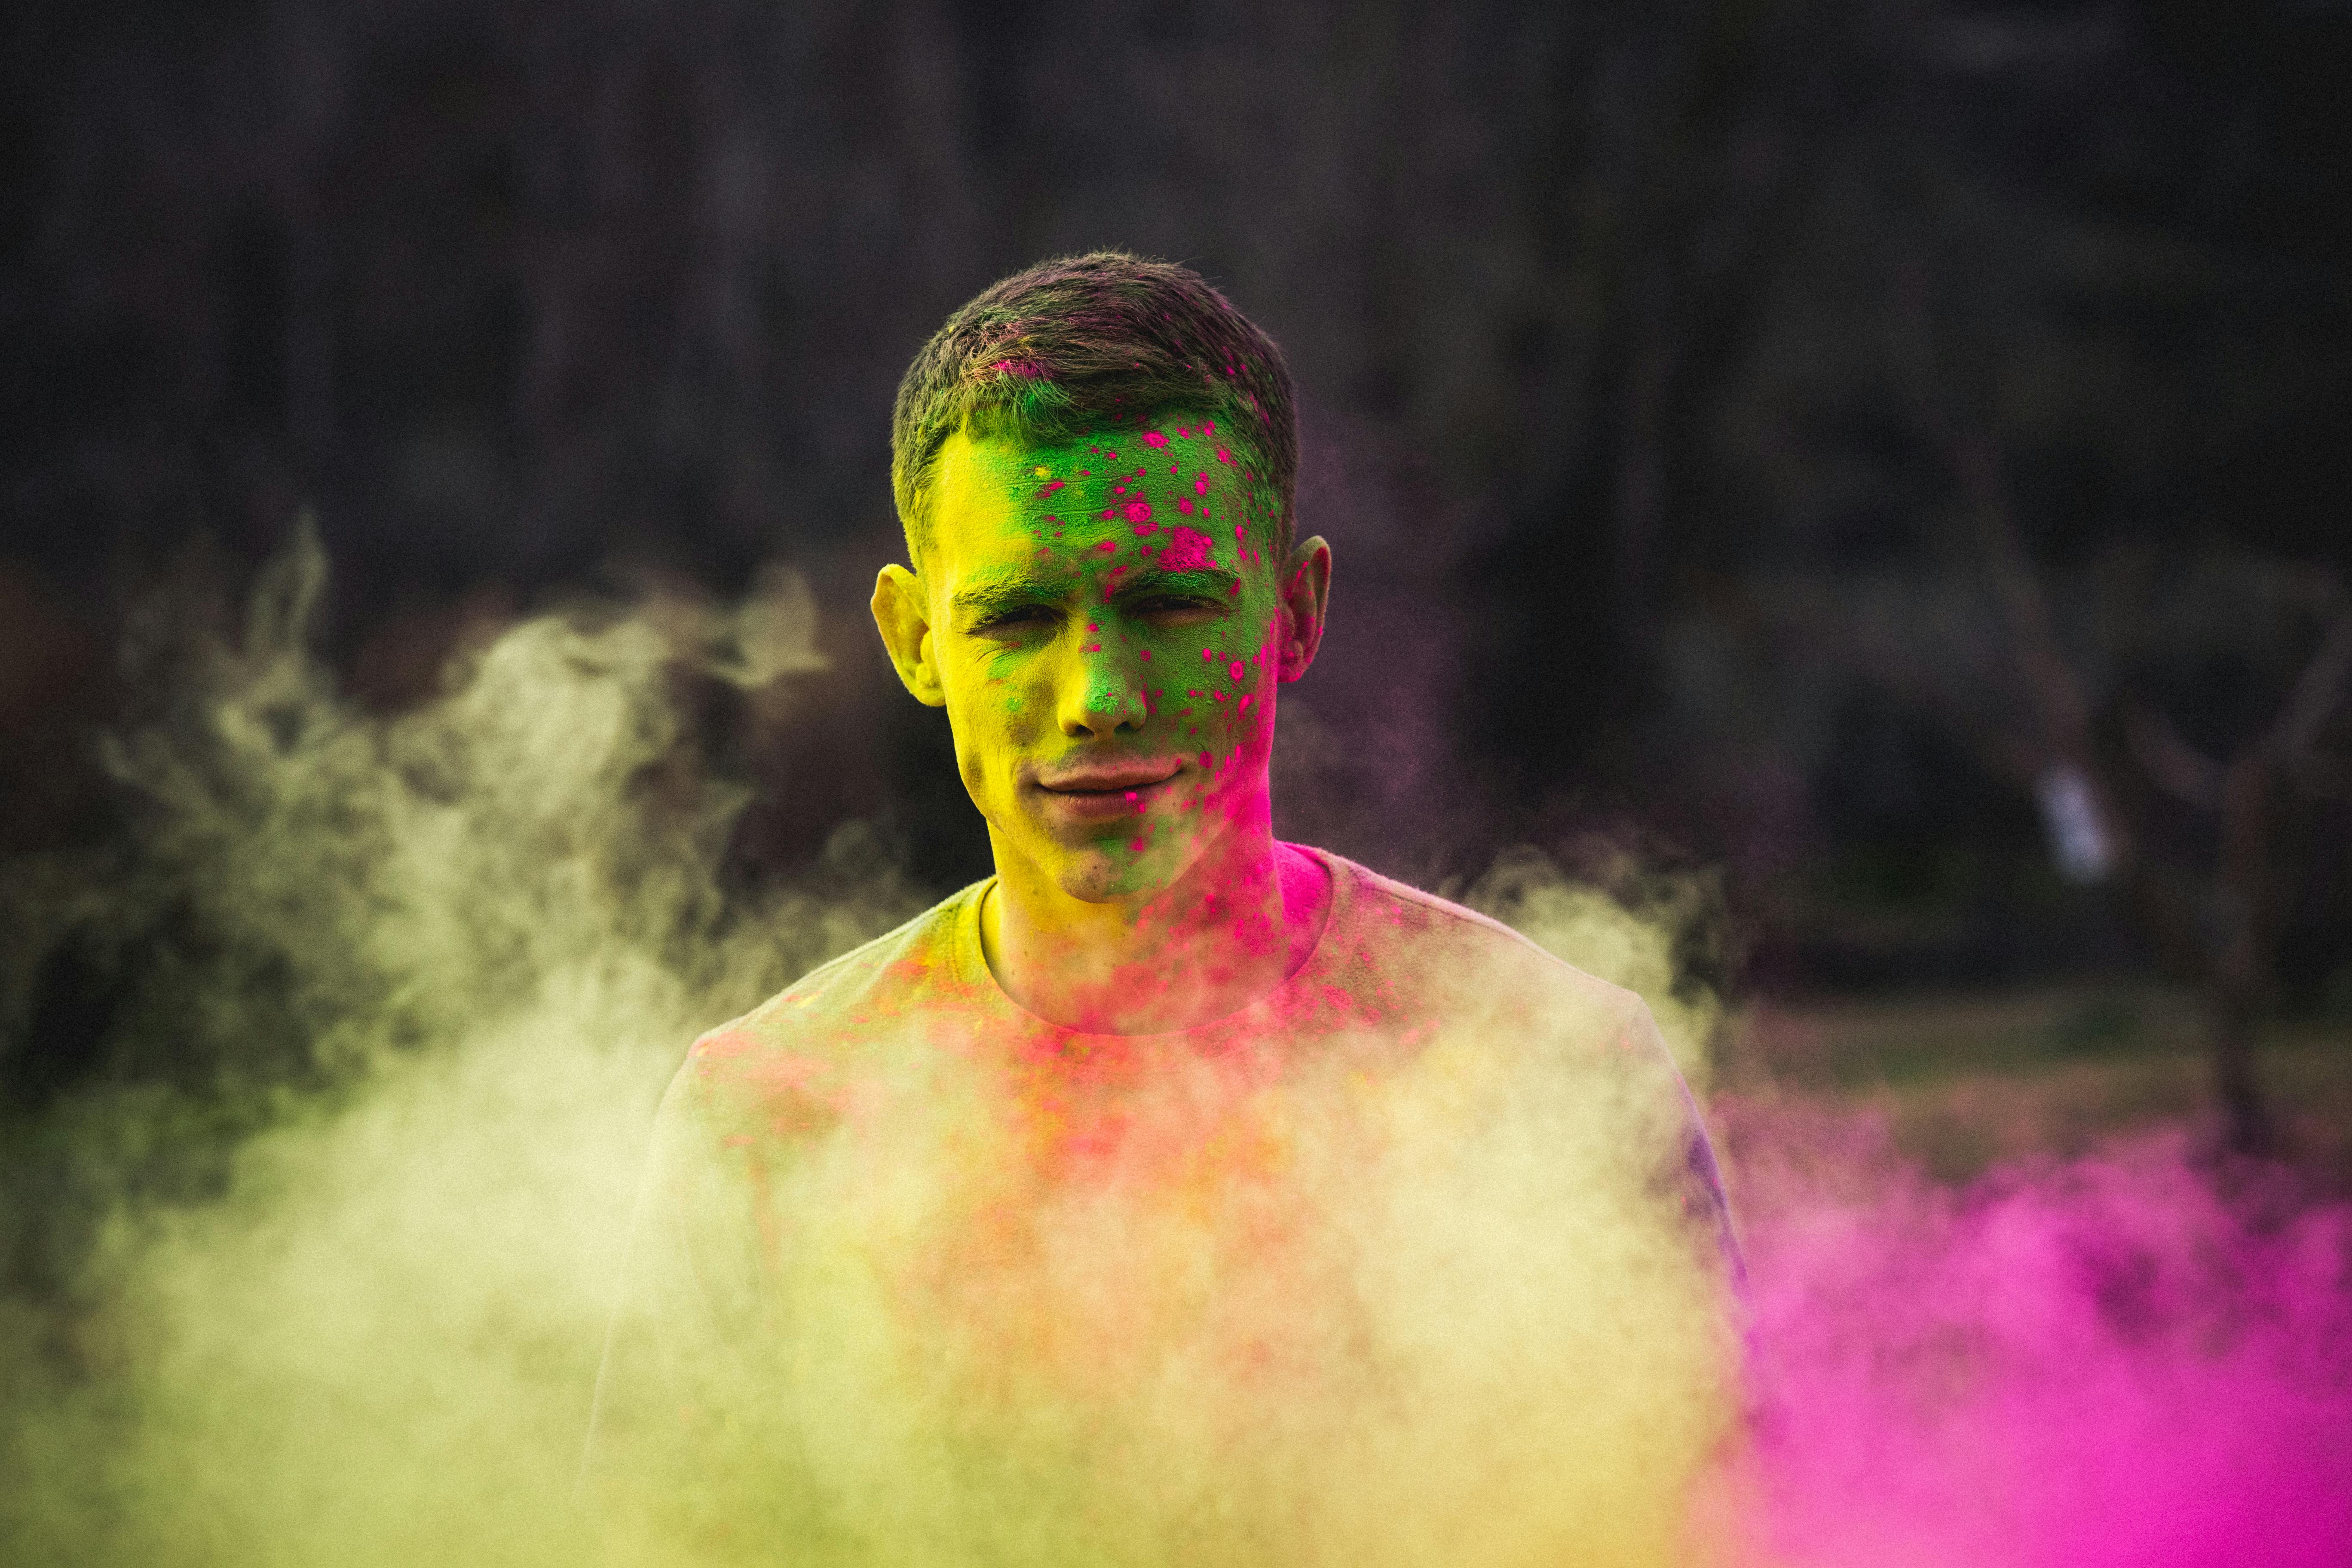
{"x": 324, "y": 1279}
{"x": 2120, "y": 1358}
{"x": 316, "y": 1270}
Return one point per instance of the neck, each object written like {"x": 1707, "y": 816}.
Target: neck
{"x": 1231, "y": 929}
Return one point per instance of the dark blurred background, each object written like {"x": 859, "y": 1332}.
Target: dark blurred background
{"x": 1886, "y": 459}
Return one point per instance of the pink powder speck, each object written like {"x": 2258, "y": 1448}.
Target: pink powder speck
{"x": 1209, "y": 429}
{"x": 1147, "y": 526}
{"x": 1154, "y": 438}
{"x": 1207, "y": 761}
{"x": 1201, "y": 483}
{"x": 1224, "y": 456}
{"x": 1107, "y": 545}
{"x": 1139, "y": 511}
{"x": 1188, "y": 550}
{"x": 1236, "y": 672}
{"x": 1184, "y": 505}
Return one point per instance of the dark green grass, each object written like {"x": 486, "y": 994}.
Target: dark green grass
{"x": 1967, "y": 1082}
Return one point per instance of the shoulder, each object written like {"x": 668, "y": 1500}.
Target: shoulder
{"x": 1434, "y": 954}
{"x": 807, "y": 1034}
{"x": 1516, "y": 1003}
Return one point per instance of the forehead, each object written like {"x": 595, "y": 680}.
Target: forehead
{"x": 996, "y": 498}
{"x": 990, "y": 475}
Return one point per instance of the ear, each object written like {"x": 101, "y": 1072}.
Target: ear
{"x": 1306, "y": 587}
{"x": 902, "y": 615}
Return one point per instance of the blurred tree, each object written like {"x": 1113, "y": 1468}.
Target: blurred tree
{"x": 1964, "y": 395}
{"x": 1596, "y": 304}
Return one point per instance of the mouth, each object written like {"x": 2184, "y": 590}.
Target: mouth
{"x": 1109, "y": 780}
{"x": 1108, "y": 790}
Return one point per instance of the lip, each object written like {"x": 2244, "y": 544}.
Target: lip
{"x": 1104, "y": 793}
{"x": 1116, "y": 779}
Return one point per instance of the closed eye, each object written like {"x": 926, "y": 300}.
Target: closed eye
{"x": 1014, "y": 618}
{"x": 1165, "y": 608}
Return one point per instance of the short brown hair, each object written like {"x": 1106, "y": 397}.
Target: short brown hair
{"x": 1084, "y": 342}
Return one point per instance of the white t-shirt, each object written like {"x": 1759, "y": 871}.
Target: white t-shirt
{"x": 1421, "y": 1258}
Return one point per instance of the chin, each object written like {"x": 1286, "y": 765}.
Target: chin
{"x": 1104, "y": 873}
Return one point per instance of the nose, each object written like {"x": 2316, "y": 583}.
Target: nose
{"x": 1102, "y": 692}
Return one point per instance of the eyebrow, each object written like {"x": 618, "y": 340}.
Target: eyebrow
{"x": 990, "y": 594}
{"x": 1210, "y": 582}
{"x": 985, "y": 596}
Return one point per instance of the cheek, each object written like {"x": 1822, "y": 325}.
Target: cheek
{"x": 991, "y": 712}
{"x": 1228, "y": 685}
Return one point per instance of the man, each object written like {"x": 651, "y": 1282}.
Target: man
{"x": 1174, "y": 1194}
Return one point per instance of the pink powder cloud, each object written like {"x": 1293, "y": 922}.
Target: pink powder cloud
{"x": 2079, "y": 1364}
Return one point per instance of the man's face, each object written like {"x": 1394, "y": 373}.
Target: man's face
{"x": 1106, "y": 629}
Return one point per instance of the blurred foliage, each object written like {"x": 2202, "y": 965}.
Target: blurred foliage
{"x": 1646, "y": 352}
{"x": 1963, "y": 1081}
